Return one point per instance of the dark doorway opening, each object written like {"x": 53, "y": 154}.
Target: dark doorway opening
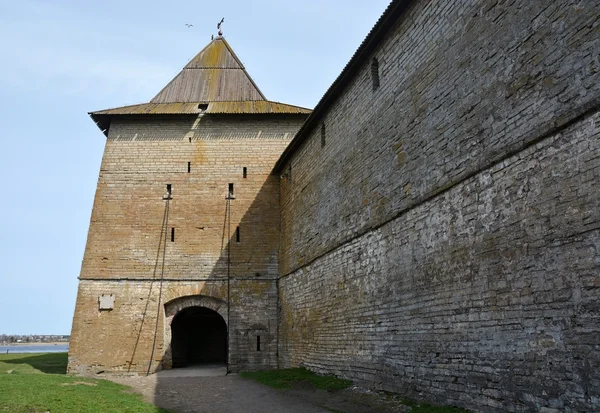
{"x": 198, "y": 336}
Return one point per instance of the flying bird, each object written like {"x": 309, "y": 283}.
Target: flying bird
{"x": 189, "y": 25}
{"x": 219, "y": 26}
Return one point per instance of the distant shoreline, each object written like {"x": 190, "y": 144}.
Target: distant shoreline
{"x": 49, "y": 343}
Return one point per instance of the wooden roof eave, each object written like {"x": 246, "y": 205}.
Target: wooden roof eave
{"x": 103, "y": 118}
{"x": 101, "y": 121}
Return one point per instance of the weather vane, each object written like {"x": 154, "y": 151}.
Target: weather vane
{"x": 219, "y": 26}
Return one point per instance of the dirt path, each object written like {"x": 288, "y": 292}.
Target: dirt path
{"x": 233, "y": 394}
{"x": 229, "y": 394}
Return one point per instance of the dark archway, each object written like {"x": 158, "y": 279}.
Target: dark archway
{"x": 198, "y": 335}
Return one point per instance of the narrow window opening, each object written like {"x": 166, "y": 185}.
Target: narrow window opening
{"x": 245, "y": 172}
{"x": 189, "y": 167}
{"x": 230, "y": 189}
{"x": 322, "y": 135}
{"x": 190, "y": 138}
{"x": 257, "y": 343}
{"x": 203, "y": 106}
{"x": 169, "y": 189}
{"x": 375, "y": 73}
{"x": 287, "y": 173}
{"x": 172, "y": 234}
{"x": 237, "y": 234}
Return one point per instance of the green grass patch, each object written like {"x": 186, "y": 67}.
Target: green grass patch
{"x": 33, "y": 383}
{"x": 300, "y": 377}
{"x": 28, "y": 363}
{"x": 290, "y": 378}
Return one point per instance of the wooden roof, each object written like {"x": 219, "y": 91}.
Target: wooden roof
{"x": 213, "y": 82}
{"x": 215, "y": 74}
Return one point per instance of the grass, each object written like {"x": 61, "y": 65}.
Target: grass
{"x": 49, "y": 363}
{"x": 289, "y": 378}
{"x": 300, "y": 377}
{"x": 34, "y": 383}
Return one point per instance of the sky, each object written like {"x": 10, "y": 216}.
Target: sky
{"x": 63, "y": 58}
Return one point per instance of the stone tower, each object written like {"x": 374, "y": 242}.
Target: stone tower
{"x": 181, "y": 264}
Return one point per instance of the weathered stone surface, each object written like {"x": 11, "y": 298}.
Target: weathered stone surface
{"x": 444, "y": 243}
{"x": 462, "y": 85}
{"x": 121, "y": 340}
{"x": 126, "y": 256}
{"x": 436, "y": 236}
{"x": 485, "y": 296}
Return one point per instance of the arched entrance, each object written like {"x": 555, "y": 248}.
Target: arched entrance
{"x": 195, "y": 331}
{"x": 198, "y": 335}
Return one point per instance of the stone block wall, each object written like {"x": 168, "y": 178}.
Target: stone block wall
{"x": 462, "y": 84}
{"x": 134, "y": 239}
{"x": 485, "y": 297}
{"x": 443, "y": 241}
{"x": 121, "y": 340}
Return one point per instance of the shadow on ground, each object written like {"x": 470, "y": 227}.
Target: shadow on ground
{"x": 49, "y": 363}
{"x": 201, "y": 370}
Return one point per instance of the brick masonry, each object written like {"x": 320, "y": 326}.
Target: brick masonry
{"x": 121, "y": 340}
{"x": 436, "y": 236}
{"x": 125, "y": 250}
{"x": 444, "y": 242}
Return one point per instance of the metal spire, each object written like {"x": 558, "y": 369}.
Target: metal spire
{"x": 219, "y": 26}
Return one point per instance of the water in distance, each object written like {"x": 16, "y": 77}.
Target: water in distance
{"x": 37, "y": 348}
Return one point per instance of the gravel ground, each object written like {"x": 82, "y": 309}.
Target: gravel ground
{"x": 229, "y": 394}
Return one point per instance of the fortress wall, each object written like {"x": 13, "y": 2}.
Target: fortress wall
{"x": 126, "y": 241}
{"x": 125, "y": 230}
{"x": 213, "y": 126}
{"x": 444, "y": 243}
{"x": 462, "y": 85}
{"x": 486, "y": 296}
{"x": 121, "y": 340}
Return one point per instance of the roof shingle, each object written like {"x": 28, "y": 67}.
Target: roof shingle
{"x": 215, "y": 74}
{"x": 213, "y": 82}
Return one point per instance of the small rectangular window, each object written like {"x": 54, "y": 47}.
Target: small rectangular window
{"x": 237, "y": 234}
{"x": 172, "y": 234}
{"x": 245, "y": 172}
{"x": 257, "y": 343}
{"x": 189, "y": 167}
{"x": 375, "y": 73}
{"x": 169, "y": 189}
{"x": 231, "y": 189}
